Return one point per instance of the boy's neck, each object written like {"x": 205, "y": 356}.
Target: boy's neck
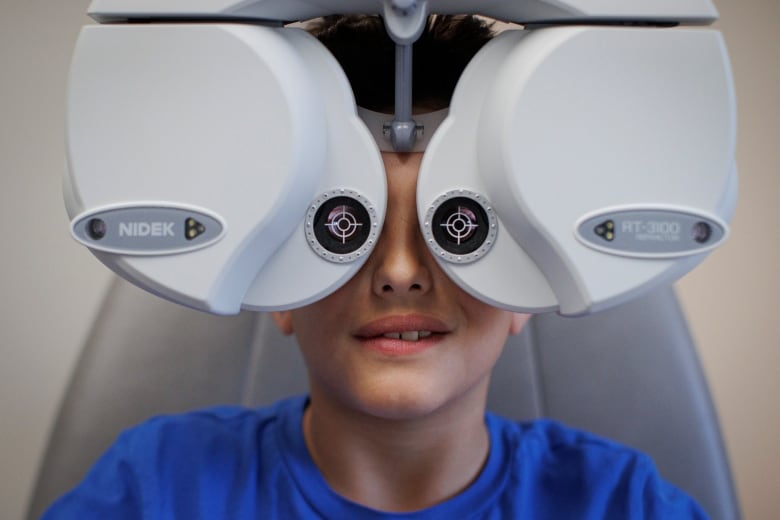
{"x": 398, "y": 465}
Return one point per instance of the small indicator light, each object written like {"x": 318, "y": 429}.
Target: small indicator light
{"x": 193, "y": 229}
{"x": 606, "y": 230}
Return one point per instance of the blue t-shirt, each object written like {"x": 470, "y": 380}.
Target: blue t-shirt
{"x": 235, "y": 463}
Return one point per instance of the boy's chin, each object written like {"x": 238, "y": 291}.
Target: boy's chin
{"x": 400, "y": 407}
{"x": 405, "y": 401}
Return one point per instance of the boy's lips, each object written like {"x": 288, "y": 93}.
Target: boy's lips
{"x": 406, "y": 324}
{"x": 396, "y": 336}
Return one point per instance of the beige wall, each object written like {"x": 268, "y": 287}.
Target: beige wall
{"x": 731, "y": 298}
{"x": 51, "y": 287}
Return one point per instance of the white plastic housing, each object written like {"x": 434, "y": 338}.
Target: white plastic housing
{"x": 234, "y": 120}
{"x": 293, "y": 277}
{"x": 553, "y": 125}
{"x": 521, "y": 11}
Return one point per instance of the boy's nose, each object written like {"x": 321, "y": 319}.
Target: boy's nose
{"x": 401, "y": 262}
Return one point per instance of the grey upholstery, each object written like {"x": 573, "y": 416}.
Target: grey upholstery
{"x": 630, "y": 374}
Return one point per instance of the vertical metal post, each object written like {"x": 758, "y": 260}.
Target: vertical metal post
{"x": 405, "y": 21}
{"x": 403, "y": 82}
{"x": 403, "y": 129}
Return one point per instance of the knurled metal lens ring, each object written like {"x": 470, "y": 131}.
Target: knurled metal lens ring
{"x": 341, "y": 226}
{"x": 460, "y": 226}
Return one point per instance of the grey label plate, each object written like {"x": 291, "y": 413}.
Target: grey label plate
{"x": 147, "y": 229}
{"x": 651, "y": 232}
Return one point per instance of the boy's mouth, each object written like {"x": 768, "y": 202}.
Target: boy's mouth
{"x": 404, "y": 327}
{"x": 391, "y": 333}
{"x": 412, "y": 335}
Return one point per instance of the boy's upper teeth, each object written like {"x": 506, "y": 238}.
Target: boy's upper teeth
{"x": 411, "y": 335}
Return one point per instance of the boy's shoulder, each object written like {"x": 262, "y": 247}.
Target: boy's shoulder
{"x": 175, "y": 446}
{"x": 594, "y": 473}
{"x": 552, "y": 438}
{"x": 200, "y": 425}
{"x": 571, "y": 454}
{"x": 193, "y": 464}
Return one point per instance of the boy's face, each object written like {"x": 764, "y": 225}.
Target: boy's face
{"x": 449, "y": 340}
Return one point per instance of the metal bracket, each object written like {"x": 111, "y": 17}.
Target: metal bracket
{"x": 405, "y": 21}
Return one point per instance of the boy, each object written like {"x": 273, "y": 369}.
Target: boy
{"x": 399, "y": 361}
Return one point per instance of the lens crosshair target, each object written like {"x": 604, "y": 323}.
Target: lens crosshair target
{"x": 461, "y": 225}
{"x": 343, "y": 223}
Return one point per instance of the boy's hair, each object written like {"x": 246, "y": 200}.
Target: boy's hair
{"x": 367, "y": 54}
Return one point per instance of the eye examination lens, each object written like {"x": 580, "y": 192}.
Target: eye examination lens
{"x": 460, "y": 226}
{"x": 342, "y": 225}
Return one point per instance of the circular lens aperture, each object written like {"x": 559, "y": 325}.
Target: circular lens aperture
{"x": 460, "y": 227}
{"x": 341, "y": 226}
{"x": 343, "y": 222}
